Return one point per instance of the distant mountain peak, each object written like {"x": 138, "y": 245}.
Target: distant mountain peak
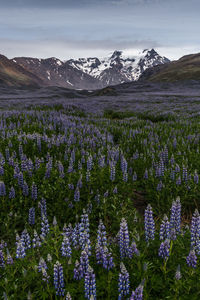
{"x": 92, "y": 72}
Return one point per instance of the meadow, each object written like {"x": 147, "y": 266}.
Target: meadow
{"x": 100, "y": 205}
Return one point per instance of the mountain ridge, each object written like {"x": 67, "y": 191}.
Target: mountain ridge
{"x": 91, "y": 73}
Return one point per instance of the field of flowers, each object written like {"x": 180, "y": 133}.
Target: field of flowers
{"x": 99, "y": 207}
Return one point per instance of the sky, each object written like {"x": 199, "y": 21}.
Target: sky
{"x": 87, "y": 28}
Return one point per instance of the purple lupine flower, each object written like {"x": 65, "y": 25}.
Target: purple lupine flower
{"x": 42, "y": 264}
{"x": 115, "y": 190}
{"x": 2, "y": 259}
{"x": 133, "y": 250}
{"x": 164, "y": 228}
{"x": 20, "y": 252}
{"x": 125, "y": 176}
{"x": 178, "y": 273}
{"x": 12, "y": 193}
{"x": 88, "y": 176}
{"x": 185, "y": 174}
{"x": 77, "y": 195}
{"x": 20, "y": 179}
{"x": 44, "y": 226}
{"x": 84, "y": 261}
{"x": 149, "y": 223}
{"x": 195, "y": 231}
{"x": 90, "y": 284}
{"x": 164, "y": 249}
{"x": 107, "y": 259}
{"x": 2, "y": 188}
{"x": 112, "y": 171}
{"x": 31, "y": 216}
{"x": 34, "y": 191}
{"x": 124, "y": 239}
{"x": 43, "y": 207}
{"x": 45, "y": 276}
{"x": 9, "y": 259}
{"x": 36, "y": 240}
{"x": 192, "y": 259}
{"x": 159, "y": 186}
{"x": 25, "y": 239}
{"x": 175, "y": 218}
{"x": 134, "y": 176}
{"x": 101, "y": 235}
{"x": 138, "y": 293}
{"x": 89, "y": 163}
{"x": 59, "y": 279}
{"x": 123, "y": 282}
{"x": 1, "y": 170}
{"x": 78, "y": 271}
{"x": 66, "y": 248}
{"x": 25, "y": 189}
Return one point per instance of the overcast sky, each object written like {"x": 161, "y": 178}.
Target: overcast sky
{"x": 82, "y": 28}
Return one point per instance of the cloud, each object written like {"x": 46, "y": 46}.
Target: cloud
{"x": 67, "y": 48}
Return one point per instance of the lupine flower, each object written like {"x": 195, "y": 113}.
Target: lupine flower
{"x": 9, "y": 259}
{"x": 34, "y": 191}
{"x": 124, "y": 239}
{"x": 25, "y": 189}
{"x": 59, "y": 279}
{"x": 178, "y": 273}
{"x": 49, "y": 258}
{"x": 20, "y": 252}
{"x": 44, "y": 226}
{"x": 90, "y": 284}
{"x": 195, "y": 232}
{"x": 138, "y": 293}
{"x": 115, "y": 190}
{"x": 2, "y": 188}
{"x": 25, "y": 239}
{"x": 164, "y": 228}
{"x": 84, "y": 260}
{"x": 66, "y": 248}
{"x": 192, "y": 259}
{"x": 164, "y": 249}
{"x": 101, "y": 234}
{"x": 68, "y": 296}
{"x": 149, "y": 224}
{"x": 2, "y": 260}
{"x": 45, "y": 276}
{"x": 36, "y": 240}
{"x": 42, "y": 264}
{"x": 175, "y": 218}
{"x": 133, "y": 250}
{"x": 20, "y": 179}
{"x": 112, "y": 171}
{"x": 78, "y": 271}
{"x": 134, "y": 176}
{"x": 31, "y": 216}
{"x": 12, "y": 193}
{"x": 77, "y": 195}
{"x": 123, "y": 282}
{"x": 146, "y": 176}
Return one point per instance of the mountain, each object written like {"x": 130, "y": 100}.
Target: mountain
{"x": 118, "y": 67}
{"x": 186, "y": 68}
{"x": 91, "y": 73}
{"x": 12, "y": 74}
{"x": 54, "y": 72}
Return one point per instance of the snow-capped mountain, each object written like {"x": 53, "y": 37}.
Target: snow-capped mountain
{"x": 118, "y": 67}
{"x": 92, "y": 73}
